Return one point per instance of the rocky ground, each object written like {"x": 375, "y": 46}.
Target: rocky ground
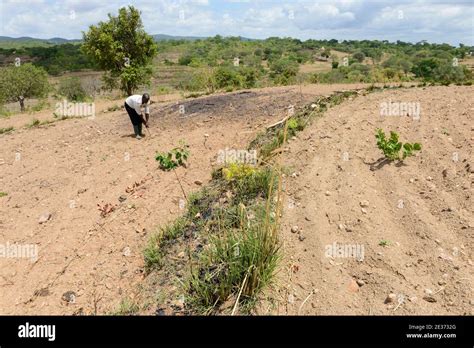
{"x": 88, "y": 195}
{"x": 413, "y": 223}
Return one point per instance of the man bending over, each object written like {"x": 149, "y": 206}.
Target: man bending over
{"x": 133, "y": 105}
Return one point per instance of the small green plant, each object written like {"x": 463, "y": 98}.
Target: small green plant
{"x": 384, "y": 243}
{"x": 3, "y": 194}
{"x": 174, "y": 158}
{"x": 292, "y": 123}
{"x": 391, "y": 147}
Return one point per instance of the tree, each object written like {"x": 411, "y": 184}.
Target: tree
{"x": 18, "y": 83}
{"x": 122, "y": 48}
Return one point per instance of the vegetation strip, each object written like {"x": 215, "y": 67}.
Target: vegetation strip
{"x": 230, "y": 228}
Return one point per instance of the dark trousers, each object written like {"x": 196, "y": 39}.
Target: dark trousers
{"x": 135, "y": 118}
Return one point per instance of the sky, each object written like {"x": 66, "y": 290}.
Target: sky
{"x": 412, "y": 21}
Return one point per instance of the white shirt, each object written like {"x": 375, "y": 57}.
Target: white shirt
{"x": 135, "y": 102}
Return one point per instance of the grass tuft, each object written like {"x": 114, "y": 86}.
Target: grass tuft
{"x": 6, "y": 130}
{"x": 34, "y": 123}
{"x": 238, "y": 265}
{"x": 155, "y": 249}
{"x": 127, "y": 307}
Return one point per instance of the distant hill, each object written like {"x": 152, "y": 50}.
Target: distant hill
{"x": 161, "y": 37}
{"x": 26, "y": 41}
{"x": 59, "y": 40}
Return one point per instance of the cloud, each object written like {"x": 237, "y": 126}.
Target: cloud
{"x": 432, "y": 20}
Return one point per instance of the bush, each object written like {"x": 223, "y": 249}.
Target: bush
{"x": 72, "y": 89}
{"x": 356, "y": 76}
{"x": 199, "y": 81}
{"x": 185, "y": 60}
{"x": 224, "y": 77}
{"x": 389, "y": 73}
{"x": 333, "y": 76}
{"x": 283, "y": 70}
{"x": 249, "y": 76}
{"x": 425, "y": 68}
{"x": 363, "y": 68}
{"x": 359, "y": 56}
{"x": 227, "y": 77}
{"x": 436, "y": 70}
{"x": 447, "y": 73}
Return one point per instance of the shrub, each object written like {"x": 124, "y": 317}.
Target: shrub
{"x": 359, "y": 56}
{"x": 199, "y": 81}
{"x": 333, "y": 76}
{"x": 227, "y": 77}
{"x": 283, "y": 70}
{"x": 355, "y": 76}
{"x": 425, "y": 68}
{"x": 72, "y": 89}
{"x": 249, "y": 76}
{"x": 185, "y": 60}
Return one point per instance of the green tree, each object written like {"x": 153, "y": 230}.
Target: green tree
{"x": 18, "y": 83}
{"x": 121, "y": 47}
